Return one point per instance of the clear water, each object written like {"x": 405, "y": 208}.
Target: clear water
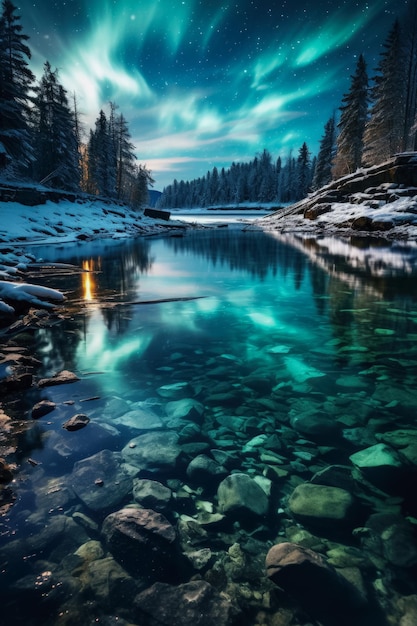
{"x": 261, "y": 331}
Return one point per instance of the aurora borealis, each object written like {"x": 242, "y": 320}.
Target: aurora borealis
{"x": 204, "y": 82}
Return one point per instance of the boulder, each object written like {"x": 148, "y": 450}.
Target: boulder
{"x": 318, "y": 427}
{"x": 206, "y": 472}
{"x": 393, "y": 537}
{"x": 241, "y": 497}
{"x": 76, "y": 422}
{"x": 196, "y": 603}
{"x": 316, "y": 586}
{"x": 151, "y": 494}
{"x": 154, "y": 452}
{"x": 144, "y": 543}
{"x": 322, "y": 505}
{"x": 139, "y": 419}
{"x": 93, "y": 480}
{"x": 382, "y": 466}
{"x": 42, "y": 408}
{"x": 185, "y": 409}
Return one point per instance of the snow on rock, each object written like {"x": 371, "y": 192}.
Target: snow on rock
{"x": 12, "y": 293}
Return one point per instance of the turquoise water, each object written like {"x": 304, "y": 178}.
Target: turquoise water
{"x": 276, "y": 358}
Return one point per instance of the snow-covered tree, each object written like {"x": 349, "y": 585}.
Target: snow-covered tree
{"x": 323, "y": 166}
{"x": 15, "y": 83}
{"x": 55, "y": 134}
{"x": 384, "y": 132}
{"x": 102, "y": 163}
{"x": 354, "y": 112}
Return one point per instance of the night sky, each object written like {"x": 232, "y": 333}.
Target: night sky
{"x": 205, "y": 82}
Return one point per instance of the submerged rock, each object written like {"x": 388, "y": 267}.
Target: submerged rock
{"x": 115, "y": 484}
{"x": 185, "y": 409}
{"x": 143, "y": 542}
{"x": 156, "y": 451}
{"x": 322, "y": 505}
{"x": 206, "y": 472}
{"x": 139, "y": 419}
{"x": 318, "y": 588}
{"x": 240, "y": 496}
{"x": 151, "y": 494}
{"x": 196, "y": 603}
{"x": 382, "y": 466}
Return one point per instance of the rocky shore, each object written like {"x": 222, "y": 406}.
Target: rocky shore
{"x": 214, "y": 516}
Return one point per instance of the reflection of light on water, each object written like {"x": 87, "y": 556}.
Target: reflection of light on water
{"x": 101, "y": 351}
{"x": 88, "y": 283}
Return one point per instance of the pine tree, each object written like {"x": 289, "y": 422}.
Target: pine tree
{"x": 15, "y": 83}
{"x": 323, "y": 167}
{"x": 303, "y": 172}
{"x": 267, "y": 190}
{"x": 55, "y": 138}
{"x": 139, "y": 189}
{"x": 354, "y": 112}
{"x": 125, "y": 158}
{"x": 102, "y": 163}
{"x": 410, "y": 53}
{"x": 384, "y": 132}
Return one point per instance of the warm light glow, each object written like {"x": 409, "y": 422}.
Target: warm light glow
{"x": 88, "y": 283}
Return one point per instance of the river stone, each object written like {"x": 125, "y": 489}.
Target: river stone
{"x": 319, "y": 504}
{"x": 151, "y": 494}
{"x": 185, "y": 409}
{"x": 174, "y": 391}
{"x": 155, "y": 452}
{"x": 196, "y": 603}
{"x": 143, "y": 542}
{"x": 42, "y": 408}
{"x": 61, "y": 378}
{"x": 318, "y": 427}
{"x": 104, "y": 466}
{"x": 238, "y": 495}
{"x": 396, "y": 539}
{"x": 323, "y": 593}
{"x": 110, "y": 584}
{"x": 382, "y": 466}
{"x": 76, "y": 422}
{"x": 206, "y": 472}
{"x": 404, "y": 439}
{"x": 139, "y": 419}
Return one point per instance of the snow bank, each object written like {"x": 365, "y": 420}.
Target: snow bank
{"x": 63, "y": 222}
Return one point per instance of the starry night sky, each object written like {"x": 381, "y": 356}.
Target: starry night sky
{"x": 205, "y": 82}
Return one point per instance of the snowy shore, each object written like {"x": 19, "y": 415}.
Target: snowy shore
{"x": 61, "y": 222}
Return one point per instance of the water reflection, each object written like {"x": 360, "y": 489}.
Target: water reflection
{"x": 287, "y": 358}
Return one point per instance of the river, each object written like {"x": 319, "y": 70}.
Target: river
{"x": 289, "y": 361}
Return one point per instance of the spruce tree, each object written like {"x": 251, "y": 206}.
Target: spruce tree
{"x": 15, "y": 83}
{"x": 55, "y": 134}
{"x": 384, "y": 132}
{"x": 323, "y": 167}
{"x": 102, "y": 162}
{"x": 354, "y": 112}
{"x": 410, "y": 53}
{"x": 303, "y": 172}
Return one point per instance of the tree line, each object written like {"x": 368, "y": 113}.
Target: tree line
{"x": 377, "y": 119}
{"x": 40, "y": 131}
